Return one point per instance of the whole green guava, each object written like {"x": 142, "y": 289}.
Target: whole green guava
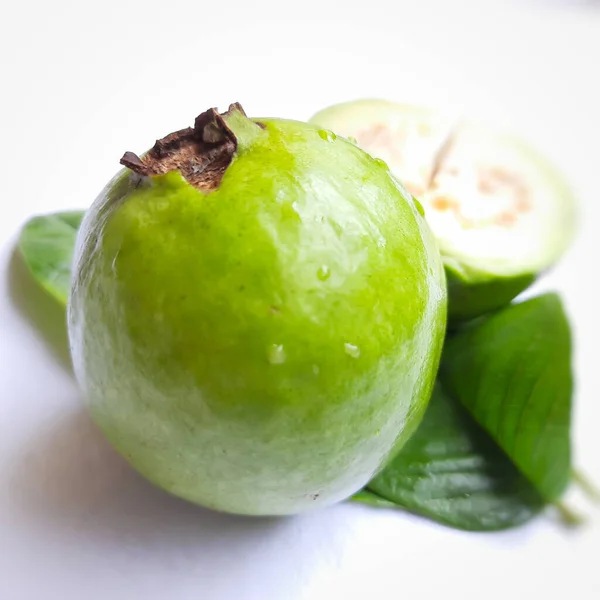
{"x": 257, "y": 314}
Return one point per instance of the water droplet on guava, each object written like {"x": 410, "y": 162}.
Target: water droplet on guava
{"x": 276, "y": 354}
{"x": 326, "y": 135}
{"x": 352, "y": 350}
{"x": 419, "y": 206}
{"x": 289, "y": 211}
{"x": 315, "y": 369}
{"x": 323, "y": 273}
{"x": 353, "y": 140}
{"x": 382, "y": 163}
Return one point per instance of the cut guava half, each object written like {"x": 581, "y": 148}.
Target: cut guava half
{"x": 501, "y": 212}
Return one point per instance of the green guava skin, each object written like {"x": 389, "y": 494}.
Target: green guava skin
{"x": 264, "y": 348}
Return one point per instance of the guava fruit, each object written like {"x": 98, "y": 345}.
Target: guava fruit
{"x": 256, "y": 314}
{"x": 502, "y": 214}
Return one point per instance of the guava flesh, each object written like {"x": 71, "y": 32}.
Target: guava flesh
{"x": 265, "y": 347}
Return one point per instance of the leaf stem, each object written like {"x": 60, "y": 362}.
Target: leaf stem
{"x": 590, "y": 491}
{"x": 568, "y": 516}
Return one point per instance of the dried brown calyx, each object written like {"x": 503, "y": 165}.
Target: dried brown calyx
{"x": 201, "y": 153}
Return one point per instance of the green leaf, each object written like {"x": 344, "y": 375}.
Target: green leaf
{"x": 452, "y": 472}
{"x": 512, "y": 372}
{"x": 366, "y": 496}
{"x": 47, "y": 244}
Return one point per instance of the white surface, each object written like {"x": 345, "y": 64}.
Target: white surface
{"x": 82, "y": 84}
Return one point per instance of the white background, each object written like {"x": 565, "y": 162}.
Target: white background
{"x": 80, "y": 83}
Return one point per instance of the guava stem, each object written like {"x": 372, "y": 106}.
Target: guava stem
{"x": 244, "y": 129}
{"x": 201, "y": 153}
{"x": 590, "y": 491}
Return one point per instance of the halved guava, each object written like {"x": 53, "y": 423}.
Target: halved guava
{"x": 501, "y": 212}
